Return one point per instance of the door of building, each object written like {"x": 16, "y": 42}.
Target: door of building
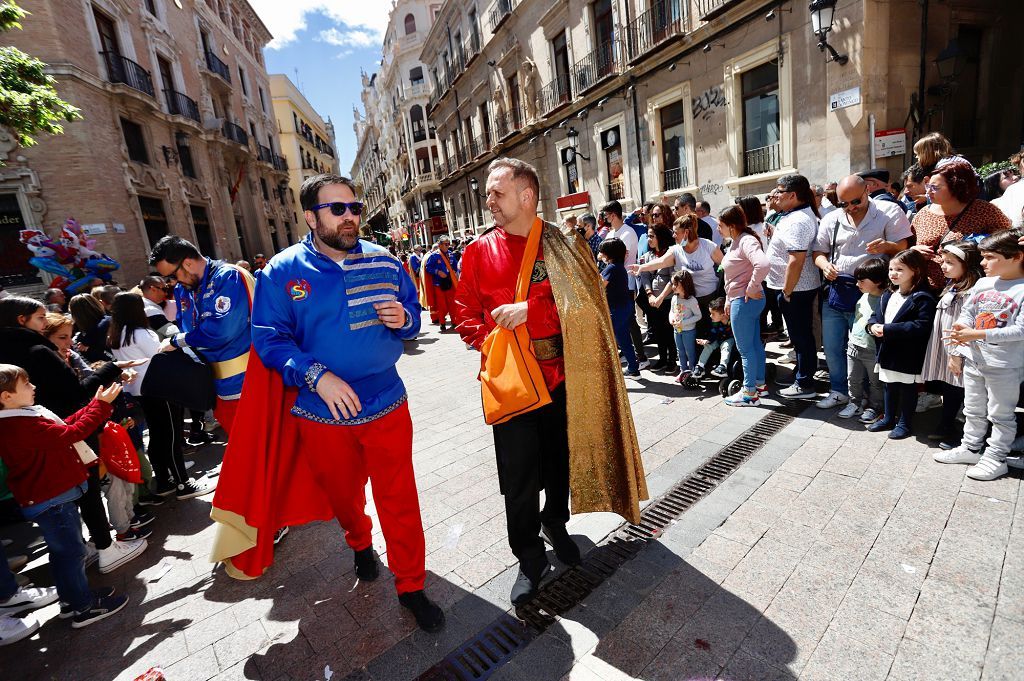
{"x": 154, "y": 218}
{"x": 14, "y": 265}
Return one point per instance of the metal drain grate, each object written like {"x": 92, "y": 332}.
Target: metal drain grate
{"x": 490, "y": 649}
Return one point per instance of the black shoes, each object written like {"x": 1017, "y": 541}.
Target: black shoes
{"x": 525, "y": 588}
{"x": 565, "y": 548}
{"x": 444, "y": 329}
{"x": 366, "y": 565}
{"x": 429, "y": 616}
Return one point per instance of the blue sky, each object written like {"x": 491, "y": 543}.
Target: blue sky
{"x": 329, "y": 43}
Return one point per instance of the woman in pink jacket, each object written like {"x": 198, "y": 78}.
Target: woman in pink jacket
{"x": 745, "y": 265}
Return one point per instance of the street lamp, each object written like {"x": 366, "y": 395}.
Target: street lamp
{"x": 572, "y": 151}
{"x": 822, "y": 15}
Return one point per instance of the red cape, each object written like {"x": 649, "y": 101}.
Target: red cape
{"x": 265, "y": 483}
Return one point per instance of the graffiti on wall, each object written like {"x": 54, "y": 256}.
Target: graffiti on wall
{"x": 709, "y": 101}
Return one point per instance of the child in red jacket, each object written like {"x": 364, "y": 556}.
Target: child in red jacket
{"x": 45, "y": 458}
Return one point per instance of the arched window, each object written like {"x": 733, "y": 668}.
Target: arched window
{"x": 410, "y": 24}
{"x": 419, "y": 131}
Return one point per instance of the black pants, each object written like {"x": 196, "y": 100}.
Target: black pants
{"x": 771, "y": 305}
{"x": 196, "y": 425}
{"x": 657, "y": 317}
{"x": 636, "y": 335}
{"x": 533, "y": 454}
{"x": 90, "y": 505}
{"x": 952, "y": 400}
{"x": 900, "y": 404}
{"x": 166, "y": 436}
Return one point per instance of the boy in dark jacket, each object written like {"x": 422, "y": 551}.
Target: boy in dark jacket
{"x": 46, "y": 458}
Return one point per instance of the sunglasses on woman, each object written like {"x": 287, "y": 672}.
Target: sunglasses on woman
{"x": 338, "y": 208}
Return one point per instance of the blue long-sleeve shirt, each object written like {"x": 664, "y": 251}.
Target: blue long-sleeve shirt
{"x": 214, "y": 319}
{"x": 435, "y": 264}
{"x": 312, "y": 315}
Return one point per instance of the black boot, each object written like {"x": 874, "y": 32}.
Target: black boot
{"x": 526, "y": 585}
{"x": 565, "y": 548}
{"x": 366, "y": 565}
{"x": 428, "y": 615}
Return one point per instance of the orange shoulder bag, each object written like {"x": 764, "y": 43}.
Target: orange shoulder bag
{"x": 511, "y": 382}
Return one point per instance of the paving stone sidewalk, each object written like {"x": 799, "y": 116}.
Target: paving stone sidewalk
{"x": 832, "y": 553}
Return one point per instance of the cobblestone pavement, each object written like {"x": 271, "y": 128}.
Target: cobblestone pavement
{"x": 832, "y": 553}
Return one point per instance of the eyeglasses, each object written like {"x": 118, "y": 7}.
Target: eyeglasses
{"x": 338, "y": 208}
{"x": 855, "y": 202}
{"x": 173, "y": 276}
{"x": 932, "y": 188}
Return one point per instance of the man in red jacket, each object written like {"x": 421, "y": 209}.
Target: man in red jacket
{"x": 45, "y": 458}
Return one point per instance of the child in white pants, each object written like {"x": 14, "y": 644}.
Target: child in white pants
{"x": 989, "y": 336}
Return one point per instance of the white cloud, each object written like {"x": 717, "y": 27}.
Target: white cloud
{"x": 361, "y": 20}
{"x": 349, "y": 38}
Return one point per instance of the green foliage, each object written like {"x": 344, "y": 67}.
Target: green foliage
{"x": 994, "y": 167}
{"x": 29, "y": 103}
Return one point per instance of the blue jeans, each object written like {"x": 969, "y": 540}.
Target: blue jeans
{"x": 835, "y": 332}
{"x": 620, "y": 324}
{"x": 686, "y": 345}
{"x": 799, "y": 316}
{"x": 746, "y": 329}
{"x": 8, "y": 585}
{"x": 62, "y": 530}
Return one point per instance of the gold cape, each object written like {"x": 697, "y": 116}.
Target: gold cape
{"x": 606, "y": 472}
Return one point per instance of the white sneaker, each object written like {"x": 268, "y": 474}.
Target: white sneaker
{"x": 987, "y": 468}
{"x": 13, "y": 629}
{"x": 91, "y": 554}
{"x": 869, "y": 416}
{"x": 959, "y": 454}
{"x": 795, "y": 392}
{"x": 926, "y": 401}
{"x": 28, "y": 599}
{"x": 832, "y": 400}
{"x": 849, "y": 411}
{"x": 644, "y": 363}
{"x": 119, "y": 553}
{"x": 789, "y": 358}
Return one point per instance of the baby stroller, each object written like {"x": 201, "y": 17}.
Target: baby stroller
{"x": 732, "y": 382}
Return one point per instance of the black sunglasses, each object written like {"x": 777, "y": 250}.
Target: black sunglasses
{"x": 338, "y": 208}
{"x": 855, "y": 202}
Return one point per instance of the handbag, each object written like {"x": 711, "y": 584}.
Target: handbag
{"x": 843, "y": 293}
{"x": 511, "y": 382}
{"x": 180, "y": 377}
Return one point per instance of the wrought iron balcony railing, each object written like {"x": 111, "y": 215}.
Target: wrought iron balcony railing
{"x": 665, "y": 19}
{"x": 602, "y": 63}
{"x": 121, "y": 69}
{"x": 763, "y": 159}
{"x": 179, "y": 104}
{"x": 235, "y": 133}
{"x": 215, "y": 65}
{"x": 555, "y": 94}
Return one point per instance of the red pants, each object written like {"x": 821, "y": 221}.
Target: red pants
{"x": 224, "y": 412}
{"x": 445, "y": 304}
{"x": 343, "y": 457}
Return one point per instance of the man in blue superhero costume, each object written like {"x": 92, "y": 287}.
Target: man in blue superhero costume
{"x": 330, "y": 316}
{"x": 213, "y": 300}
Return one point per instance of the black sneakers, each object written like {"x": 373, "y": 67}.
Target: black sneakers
{"x": 366, "y": 565}
{"x": 101, "y": 609}
{"x": 429, "y": 616}
{"x": 565, "y": 548}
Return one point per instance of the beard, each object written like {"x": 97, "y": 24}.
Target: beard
{"x": 334, "y": 239}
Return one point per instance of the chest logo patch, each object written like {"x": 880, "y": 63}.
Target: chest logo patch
{"x": 298, "y": 289}
{"x": 222, "y": 304}
{"x": 540, "y": 272}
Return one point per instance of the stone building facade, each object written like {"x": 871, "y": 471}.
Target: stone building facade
{"x": 714, "y": 97}
{"x": 178, "y": 134}
{"x": 307, "y": 141}
{"x": 397, "y": 155}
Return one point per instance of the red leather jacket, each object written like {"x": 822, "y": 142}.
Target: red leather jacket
{"x": 490, "y": 267}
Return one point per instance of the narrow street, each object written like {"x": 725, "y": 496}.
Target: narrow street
{"x": 831, "y": 553}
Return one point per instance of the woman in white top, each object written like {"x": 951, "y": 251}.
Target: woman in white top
{"x": 131, "y": 338}
{"x": 700, "y": 257}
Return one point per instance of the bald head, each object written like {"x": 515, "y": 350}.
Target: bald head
{"x": 853, "y": 192}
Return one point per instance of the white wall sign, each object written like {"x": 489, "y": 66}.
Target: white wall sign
{"x": 890, "y": 142}
{"x": 119, "y": 228}
{"x": 97, "y": 228}
{"x": 841, "y": 100}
